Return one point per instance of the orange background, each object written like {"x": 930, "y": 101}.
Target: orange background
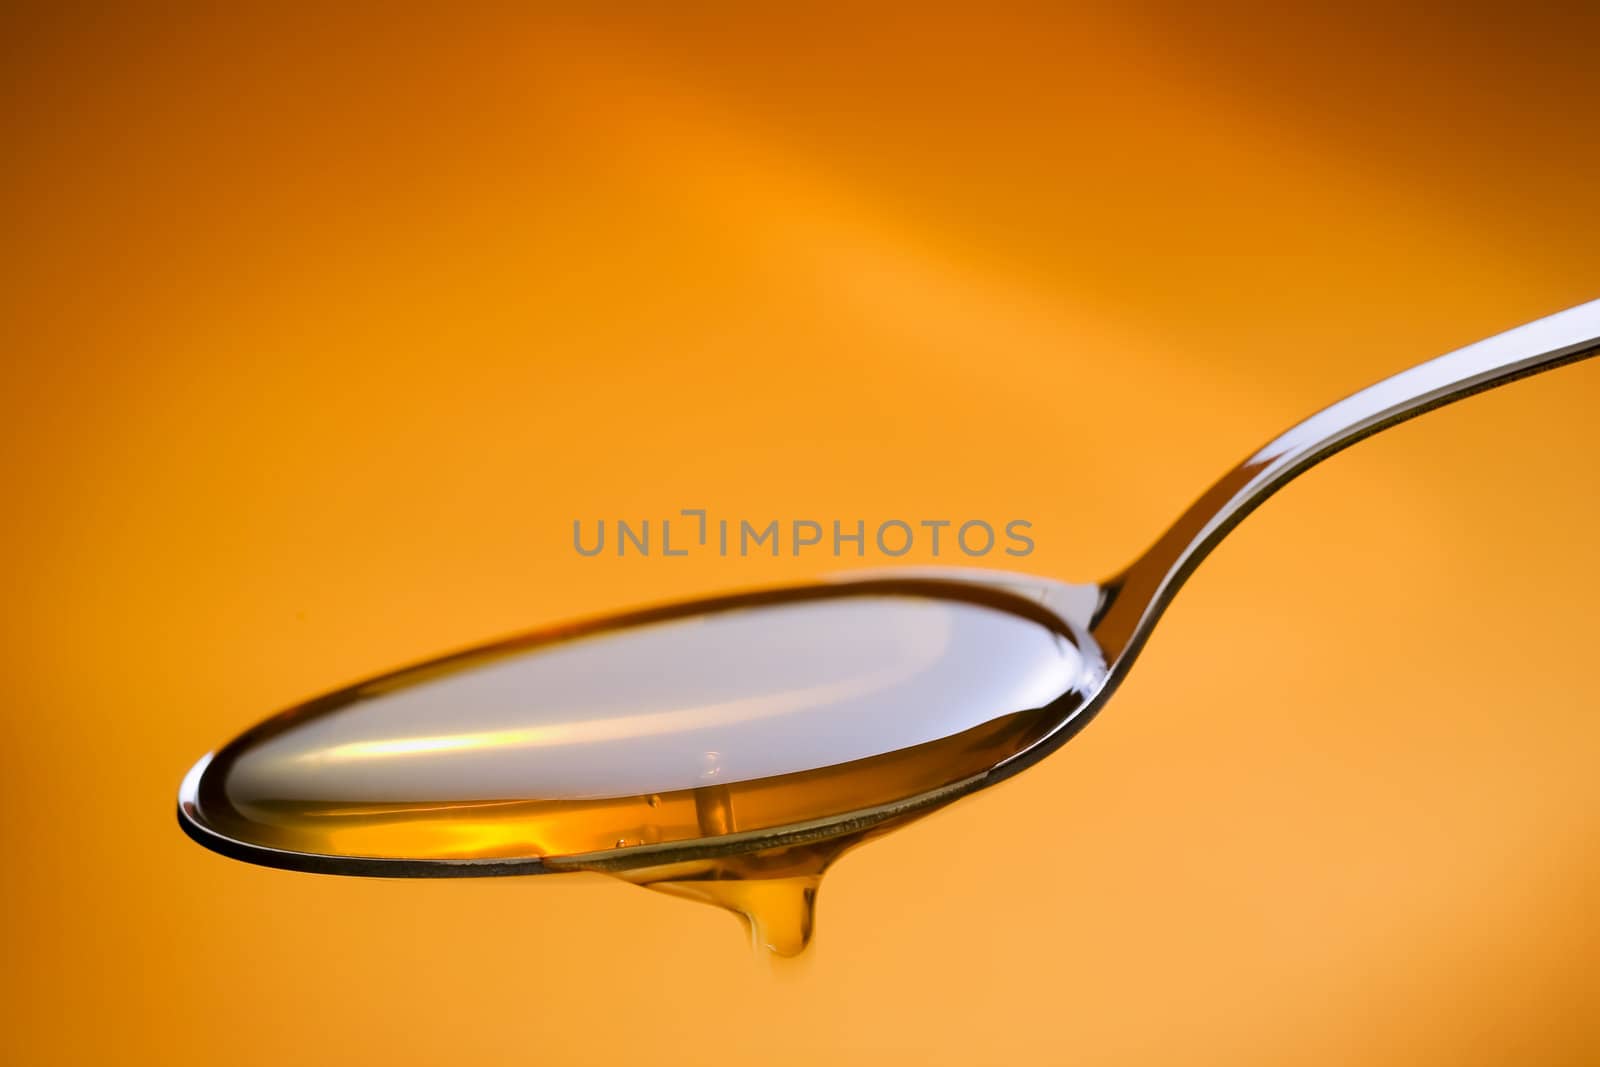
{"x": 320, "y": 331}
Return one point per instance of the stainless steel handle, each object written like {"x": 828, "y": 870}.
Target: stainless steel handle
{"x": 1135, "y": 598}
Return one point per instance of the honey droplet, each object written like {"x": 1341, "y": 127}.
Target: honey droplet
{"x": 774, "y": 892}
{"x": 778, "y": 912}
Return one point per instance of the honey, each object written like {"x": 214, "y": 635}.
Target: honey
{"x": 725, "y": 751}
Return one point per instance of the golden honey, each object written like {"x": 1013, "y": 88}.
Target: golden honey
{"x": 725, "y": 751}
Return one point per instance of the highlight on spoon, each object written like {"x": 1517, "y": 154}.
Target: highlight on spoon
{"x": 743, "y": 723}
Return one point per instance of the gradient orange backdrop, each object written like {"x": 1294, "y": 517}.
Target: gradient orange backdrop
{"x": 321, "y": 329}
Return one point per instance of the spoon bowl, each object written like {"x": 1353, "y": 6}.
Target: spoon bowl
{"x": 732, "y": 724}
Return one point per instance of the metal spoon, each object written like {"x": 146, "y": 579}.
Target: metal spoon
{"x": 744, "y": 724}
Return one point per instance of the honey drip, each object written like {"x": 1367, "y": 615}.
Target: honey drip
{"x": 773, "y": 891}
{"x": 778, "y": 909}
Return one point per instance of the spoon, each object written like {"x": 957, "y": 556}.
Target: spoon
{"x": 753, "y": 736}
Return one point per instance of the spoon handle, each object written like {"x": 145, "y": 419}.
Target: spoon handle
{"x": 1135, "y": 599}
